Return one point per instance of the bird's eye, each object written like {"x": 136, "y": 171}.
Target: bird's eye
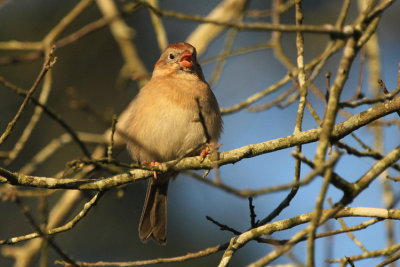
{"x": 171, "y": 56}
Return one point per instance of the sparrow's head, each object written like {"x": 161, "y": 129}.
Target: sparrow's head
{"x": 179, "y": 60}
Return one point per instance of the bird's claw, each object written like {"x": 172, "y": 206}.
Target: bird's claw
{"x": 152, "y": 164}
{"x": 210, "y": 148}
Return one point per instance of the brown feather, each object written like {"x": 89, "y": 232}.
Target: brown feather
{"x": 162, "y": 124}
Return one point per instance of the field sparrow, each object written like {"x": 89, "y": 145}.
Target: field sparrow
{"x": 173, "y": 116}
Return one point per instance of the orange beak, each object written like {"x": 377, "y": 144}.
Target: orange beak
{"x": 186, "y": 60}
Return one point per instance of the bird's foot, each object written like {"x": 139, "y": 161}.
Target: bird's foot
{"x": 152, "y": 164}
{"x": 210, "y": 148}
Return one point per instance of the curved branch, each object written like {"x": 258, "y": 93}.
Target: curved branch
{"x": 256, "y": 26}
{"x": 340, "y": 130}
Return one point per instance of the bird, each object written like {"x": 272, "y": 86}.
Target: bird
{"x": 173, "y": 116}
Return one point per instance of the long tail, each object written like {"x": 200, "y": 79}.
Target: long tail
{"x": 153, "y": 222}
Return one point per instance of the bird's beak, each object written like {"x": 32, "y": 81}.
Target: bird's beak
{"x": 186, "y": 60}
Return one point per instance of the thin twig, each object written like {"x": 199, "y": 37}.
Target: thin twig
{"x": 253, "y": 215}
{"x": 48, "y": 64}
{"x": 188, "y": 256}
{"x": 258, "y": 26}
{"x": 69, "y": 225}
{"x": 32, "y": 222}
{"x": 51, "y": 113}
{"x": 223, "y": 227}
{"x": 110, "y": 146}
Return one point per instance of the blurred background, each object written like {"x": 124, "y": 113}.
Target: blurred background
{"x": 90, "y": 70}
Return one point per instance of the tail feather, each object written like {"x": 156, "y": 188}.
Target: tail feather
{"x": 153, "y": 222}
